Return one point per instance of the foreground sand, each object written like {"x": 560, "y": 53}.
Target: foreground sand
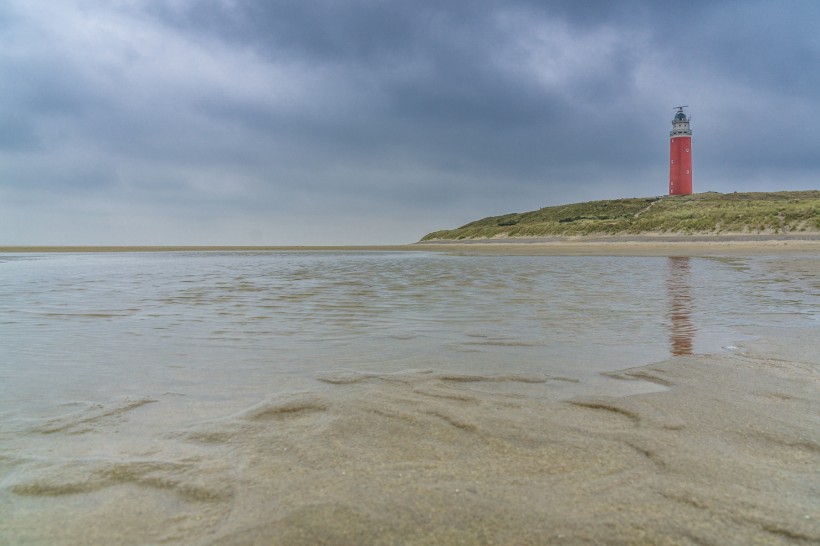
{"x": 726, "y": 451}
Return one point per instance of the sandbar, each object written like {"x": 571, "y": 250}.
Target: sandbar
{"x": 616, "y": 245}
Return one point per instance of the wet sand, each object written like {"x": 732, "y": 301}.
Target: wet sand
{"x": 725, "y": 451}
{"x": 715, "y": 449}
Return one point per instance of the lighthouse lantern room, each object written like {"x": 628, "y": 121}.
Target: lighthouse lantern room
{"x": 680, "y": 155}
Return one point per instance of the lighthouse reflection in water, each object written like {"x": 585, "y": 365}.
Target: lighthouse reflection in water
{"x": 679, "y": 296}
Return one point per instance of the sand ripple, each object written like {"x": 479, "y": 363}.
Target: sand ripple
{"x": 727, "y": 454}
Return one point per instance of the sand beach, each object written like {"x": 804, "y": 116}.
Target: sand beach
{"x": 615, "y": 245}
{"x": 696, "y": 448}
{"x": 637, "y": 245}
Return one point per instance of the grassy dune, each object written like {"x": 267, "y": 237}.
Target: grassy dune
{"x": 701, "y": 213}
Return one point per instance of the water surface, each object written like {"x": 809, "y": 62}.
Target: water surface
{"x": 217, "y": 325}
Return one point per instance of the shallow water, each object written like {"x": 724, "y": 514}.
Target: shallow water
{"x": 234, "y": 326}
{"x": 116, "y": 369}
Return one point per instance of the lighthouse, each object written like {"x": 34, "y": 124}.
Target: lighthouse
{"x": 680, "y": 155}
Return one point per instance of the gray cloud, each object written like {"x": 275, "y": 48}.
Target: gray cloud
{"x": 280, "y": 122}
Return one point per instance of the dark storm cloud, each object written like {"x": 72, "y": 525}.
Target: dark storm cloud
{"x": 313, "y": 121}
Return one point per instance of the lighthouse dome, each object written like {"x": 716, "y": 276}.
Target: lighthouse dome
{"x": 680, "y": 116}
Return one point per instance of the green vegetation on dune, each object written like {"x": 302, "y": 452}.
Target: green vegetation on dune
{"x": 700, "y": 213}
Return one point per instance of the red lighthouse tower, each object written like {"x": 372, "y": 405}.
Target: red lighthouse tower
{"x": 680, "y": 155}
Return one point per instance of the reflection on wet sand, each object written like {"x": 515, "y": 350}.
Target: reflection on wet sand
{"x": 679, "y": 295}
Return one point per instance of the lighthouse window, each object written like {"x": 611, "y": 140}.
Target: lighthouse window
{"x": 687, "y": 149}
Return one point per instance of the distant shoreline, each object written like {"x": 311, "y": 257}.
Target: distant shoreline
{"x": 616, "y": 245}
{"x": 201, "y": 248}
{"x": 635, "y": 245}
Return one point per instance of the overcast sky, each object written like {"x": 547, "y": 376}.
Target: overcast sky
{"x": 273, "y": 122}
